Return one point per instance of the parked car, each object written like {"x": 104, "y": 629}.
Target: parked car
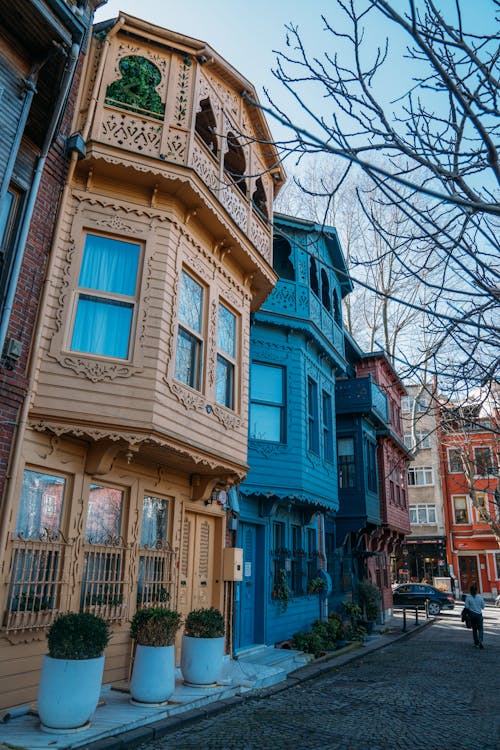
{"x": 417, "y": 594}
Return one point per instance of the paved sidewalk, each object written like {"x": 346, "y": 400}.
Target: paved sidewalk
{"x": 117, "y": 724}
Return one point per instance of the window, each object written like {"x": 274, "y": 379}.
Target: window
{"x": 337, "y": 309}
{"x": 497, "y": 564}
{"x": 482, "y": 502}
{"x": 460, "y": 510}
{"x": 325, "y": 290}
{"x": 455, "y": 465}
{"x": 206, "y": 127}
{"x": 483, "y": 461}
{"x": 312, "y": 416}
{"x": 327, "y": 427}
{"x": 37, "y": 564}
{"x": 189, "y": 355}
{"x": 282, "y": 259}
{"x": 280, "y": 558}
{"x": 155, "y": 578}
{"x": 347, "y": 464}
{"x": 235, "y": 163}
{"x": 297, "y": 560}
{"x": 9, "y": 216}
{"x": 313, "y": 277}
{"x": 420, "y": 476}
{"x": 106, "y": 297}
{"x": 226, "y": 353}
{"x": 423, "y": 515}
{"x": 408, "y": 441}
{"x": 136, "y": 89}
{"x": 104, "y": 554}
{"x": 259, "y": 198}
{"x": 371, "y": 465}
{"x": 312, "y": 554}
{"x": 40, "y": 506}
{"x": 423, "y": 440}
{"x": 267, "y": 403}
{"x": 407, "y": 403}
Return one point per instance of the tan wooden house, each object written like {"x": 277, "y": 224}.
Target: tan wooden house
{"x": 139, "y": 370}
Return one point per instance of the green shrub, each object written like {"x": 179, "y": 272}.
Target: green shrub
{"x": 336, "y": 623}
{"x": 204, "y": 623}
{"x": 78, "y": 635}
{"x": 368, "y": 597}
{"x": 309, "y": 643}
{"x": 155, "y": 626}
{"x": 352, "y": 610}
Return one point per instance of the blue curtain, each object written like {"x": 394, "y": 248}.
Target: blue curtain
{"x": 102, "y": 326}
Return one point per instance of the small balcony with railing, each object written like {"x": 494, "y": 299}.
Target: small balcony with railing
{"x": 361, "y": 396}
{"x": 164, "y": 103}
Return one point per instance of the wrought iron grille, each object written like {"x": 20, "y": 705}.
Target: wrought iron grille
{"x": 35, "y": 581}
{"x": 103, "y": 583}
{"x": 156, "y": 576}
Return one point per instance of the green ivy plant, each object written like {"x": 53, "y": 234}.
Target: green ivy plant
{"x": 281, "y": 591}
{"x": 136, "y": 89}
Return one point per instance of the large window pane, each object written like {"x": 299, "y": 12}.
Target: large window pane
{"x": 265, "y": 422}
{"x": 109, "y": 265}
{"x": 102, "y": 327}
{"x": 154, "y": 522}
{"x": 226, "y": 331}
{"x": 188, "y": 359}
{"x": 191, "y": 303}
{"x": 104, "y": 514}
{"x": 40, "y": 505}
{"x": 347, "y": 464}
{"x": 266, "y": 383}
{"x": 224, "y": 385}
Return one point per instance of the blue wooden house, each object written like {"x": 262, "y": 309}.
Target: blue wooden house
{"x": 297, "y": 352}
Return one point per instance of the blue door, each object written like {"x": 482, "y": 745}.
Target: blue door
{"x": 248, "y": 587}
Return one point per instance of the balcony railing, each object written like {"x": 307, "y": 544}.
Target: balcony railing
{"x": 361, "y": 395}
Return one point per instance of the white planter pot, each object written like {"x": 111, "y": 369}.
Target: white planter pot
{"x": 202, "y": 659}
{"x": 153, "y": 675}
{"x": 69, "y": 691}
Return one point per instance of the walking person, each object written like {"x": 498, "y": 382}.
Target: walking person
{"x": 474, "y": 602}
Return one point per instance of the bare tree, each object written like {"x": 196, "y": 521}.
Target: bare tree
{"x": 432, "y": 155}
{"x": 464, "y": 429}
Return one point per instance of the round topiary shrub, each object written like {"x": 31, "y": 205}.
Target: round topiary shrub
{"x": 78, "y": 635}
{"x": 155, "y": 626}
{"x": 204, "y": 623}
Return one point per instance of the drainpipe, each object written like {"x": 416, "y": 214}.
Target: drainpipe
{"x": 30, "y": 89}
{"x": 33, "y": 193}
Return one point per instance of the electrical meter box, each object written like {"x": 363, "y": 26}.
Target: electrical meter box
{"x": 232, "y": 564}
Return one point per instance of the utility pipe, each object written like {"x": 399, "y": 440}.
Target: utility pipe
{"x": 30, "y": 86}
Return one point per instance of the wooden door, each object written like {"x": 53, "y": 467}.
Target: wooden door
{"x": 468, "y": 573}
{"x": 196, "y": 573}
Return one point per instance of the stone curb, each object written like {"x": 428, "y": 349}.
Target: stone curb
{"x": 320, "y": 666}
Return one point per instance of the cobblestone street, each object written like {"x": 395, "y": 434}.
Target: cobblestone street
{"x": 433, "y": 691}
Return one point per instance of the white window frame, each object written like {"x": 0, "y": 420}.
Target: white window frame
{"x": 418, "y": 508}
{"x": 426, "y": 471}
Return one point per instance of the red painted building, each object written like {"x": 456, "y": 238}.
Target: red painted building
{"x": 469, "y": 452}
{"x": 392, "y": 459}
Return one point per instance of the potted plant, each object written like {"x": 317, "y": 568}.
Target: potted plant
{"x": 319, "y": 587}
{"x": 202, "y": 654}
{"x": 336, "y": 620}
{"x": 70, "y": 681}
{"x": 153, "y": 675}
{"x": 368, "y": 597}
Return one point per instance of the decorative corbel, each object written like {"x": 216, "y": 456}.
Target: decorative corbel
{"x": 247, "y": 279}
{"x": 100, "y": 457}
{"x": 154, "y": 193}
{"x": 90, "y": 174}
{"x": 202, "y": 486}
{"x": 189, "y": 214}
